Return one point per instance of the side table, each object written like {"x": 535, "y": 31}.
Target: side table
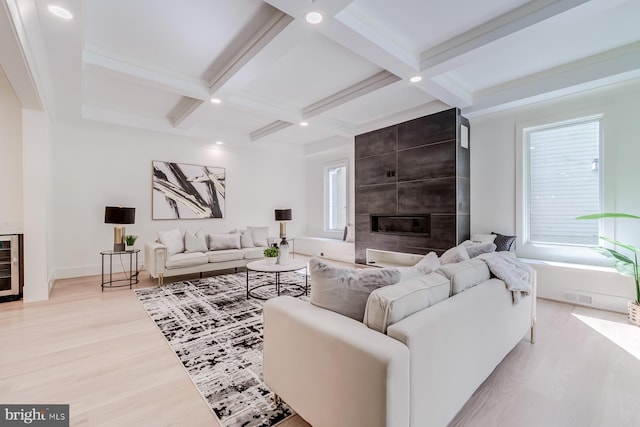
{"x": 131, "y": 280}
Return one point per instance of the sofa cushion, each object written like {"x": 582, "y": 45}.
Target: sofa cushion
{"x": 173, "y": 240}
{"x": 246, "y": 239}
{"x": 195, "y": 242}
{"x": 225, "y": 255}
{"x": 345, "y": 290}
{"x": 253, "y": 253}
{"x": 455, "y": 254}
{"x": 503, "y": 243}
{"x": 259, "y": 235}
{"x": 466, "y": 274}
{"x": 428, "y": 263}
{"x": 475, "y": 249}
{"x": 390, "y": 304}
{"x": 224, "y": 241}
{"x": 483, "y": 238}
{"x": 186, "y": 260}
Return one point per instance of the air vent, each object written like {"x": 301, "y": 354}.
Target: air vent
{"x": 577, "y": 298}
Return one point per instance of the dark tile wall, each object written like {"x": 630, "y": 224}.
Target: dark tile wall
{"x": 415, "y": 167}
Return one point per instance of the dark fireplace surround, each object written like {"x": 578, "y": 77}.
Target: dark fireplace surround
{"x": 412, "y": 186}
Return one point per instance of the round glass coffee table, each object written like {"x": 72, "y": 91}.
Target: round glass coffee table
{"x": 262, "y": 267}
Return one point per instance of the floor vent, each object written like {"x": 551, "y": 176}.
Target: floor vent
{"x": 577, "y": 298}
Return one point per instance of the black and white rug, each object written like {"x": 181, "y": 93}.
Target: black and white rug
{"x": 217, "y": 335}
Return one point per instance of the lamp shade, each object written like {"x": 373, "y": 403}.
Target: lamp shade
{"x": 119, "y": 215}
{"x": 283, "y": 214}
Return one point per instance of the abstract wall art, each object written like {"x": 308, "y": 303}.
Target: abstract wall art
{"x": 184, "y": 191}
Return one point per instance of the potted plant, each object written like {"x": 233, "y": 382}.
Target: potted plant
{"x": 271, "y": 254}
{"x": 627, "y": 265}
{"x": 130, "y": 240}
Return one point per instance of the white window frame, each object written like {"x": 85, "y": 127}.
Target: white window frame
{"x": 572, "y": 253}
{"x": 326, "y": 203}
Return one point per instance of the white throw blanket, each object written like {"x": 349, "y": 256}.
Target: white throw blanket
{"x": 517, "y": 275}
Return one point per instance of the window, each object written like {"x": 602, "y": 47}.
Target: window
{"x": 335, "y": 196}
{"x": 562, "y": 181}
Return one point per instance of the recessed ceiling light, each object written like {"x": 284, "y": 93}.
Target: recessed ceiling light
{"x": 304, "y": 124}
{"x": 216, "y": 100}
{"x": 415, "y": 79}
{"x": 313, "y": 17}
{"x": 219, "y": 143}
{"x": 60, "y": 12}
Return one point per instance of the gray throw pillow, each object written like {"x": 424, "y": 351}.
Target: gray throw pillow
{"x": 480, "y": 248}
{"x": 345, "y": 290}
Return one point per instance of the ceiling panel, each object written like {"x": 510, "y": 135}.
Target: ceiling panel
{"x": 584, "y": 31}
{"x": 376, "y": 105}
{"x": 185, "y": 37}
{"x": 417, "y": 25}
{"x": 128, "y": 97}
{"x": 313, "y": 69}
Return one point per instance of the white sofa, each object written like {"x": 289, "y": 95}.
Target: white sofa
{"x": 169, "y": 258}
{"x": 336, "y": 371}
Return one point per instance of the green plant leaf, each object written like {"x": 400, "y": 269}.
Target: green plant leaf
{"x": 608, "y": 215}
{"x": 612, "y": 253}
{"x": 625, "y": 268}
{"x": 622, "y": 245}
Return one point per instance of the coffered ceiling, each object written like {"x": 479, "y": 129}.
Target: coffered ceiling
{"x": 156, "y": 64}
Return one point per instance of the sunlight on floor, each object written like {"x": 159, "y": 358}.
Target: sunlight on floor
{"x": 625, "y": 336}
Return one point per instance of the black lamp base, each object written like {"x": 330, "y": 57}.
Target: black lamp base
{"x": 118, "y": 247}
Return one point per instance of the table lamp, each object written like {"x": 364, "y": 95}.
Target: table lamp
{"x": 283, "y": 215}
{"x": 119, "y": 215}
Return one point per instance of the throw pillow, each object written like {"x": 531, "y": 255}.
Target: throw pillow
{"x": 195, "y": 242}
{"x": 429, "y": 263}
{"x": 224, "y": 241}
{"x": 483, "y": 238}
{"x": 259, "y": 235}
{"x": 345, "y": 290}
{"x": 455, "y": 254}
{"x": 173, "y": 240}
{"x": 246, "y": 240}
{"x": 476, "y": 249}
{"x": 503, "y": 243}
{"x": 390, "y": 304}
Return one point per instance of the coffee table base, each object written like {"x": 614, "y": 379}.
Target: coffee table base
{"x": 277, "y": 283}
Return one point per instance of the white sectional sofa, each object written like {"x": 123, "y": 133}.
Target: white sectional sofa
{"x": 436, "y": 349}
{"x": 178, "y": 253}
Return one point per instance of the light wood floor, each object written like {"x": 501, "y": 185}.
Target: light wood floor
{"x": 100, "y": 353}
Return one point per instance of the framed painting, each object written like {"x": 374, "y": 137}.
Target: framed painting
{"x": 184, "y": 191}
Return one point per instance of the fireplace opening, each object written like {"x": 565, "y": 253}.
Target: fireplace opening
{"x": 414, "y": 225}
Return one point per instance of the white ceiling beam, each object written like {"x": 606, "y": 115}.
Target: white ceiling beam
{"x": 14, "y": 61}
{"x": 158, "y": 125}
{"x": 377, "y": 81}
{"x": 269, "y": 129}
{"x": 610, "y": 67}
{"x": 109, "y": 64}
{"x": 277, "y": 22}
{"x": 511, "y": 22}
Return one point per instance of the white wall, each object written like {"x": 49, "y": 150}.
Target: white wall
{"x": 10, "y": 160}
{"x": 36, "y": 169}
{"x": 493, "y": 176}
{"x": 95, "y": 165}
{"x": 318, "y": 156}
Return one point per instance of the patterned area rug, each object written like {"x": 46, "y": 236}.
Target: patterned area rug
{"x": 217, "y": 335}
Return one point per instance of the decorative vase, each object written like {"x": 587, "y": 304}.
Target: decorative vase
{"x": 634, "y": 312}
{"x": 283, "y": 255}
{"x": 271, "y": 260}
{"x": 129, "y": 248}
